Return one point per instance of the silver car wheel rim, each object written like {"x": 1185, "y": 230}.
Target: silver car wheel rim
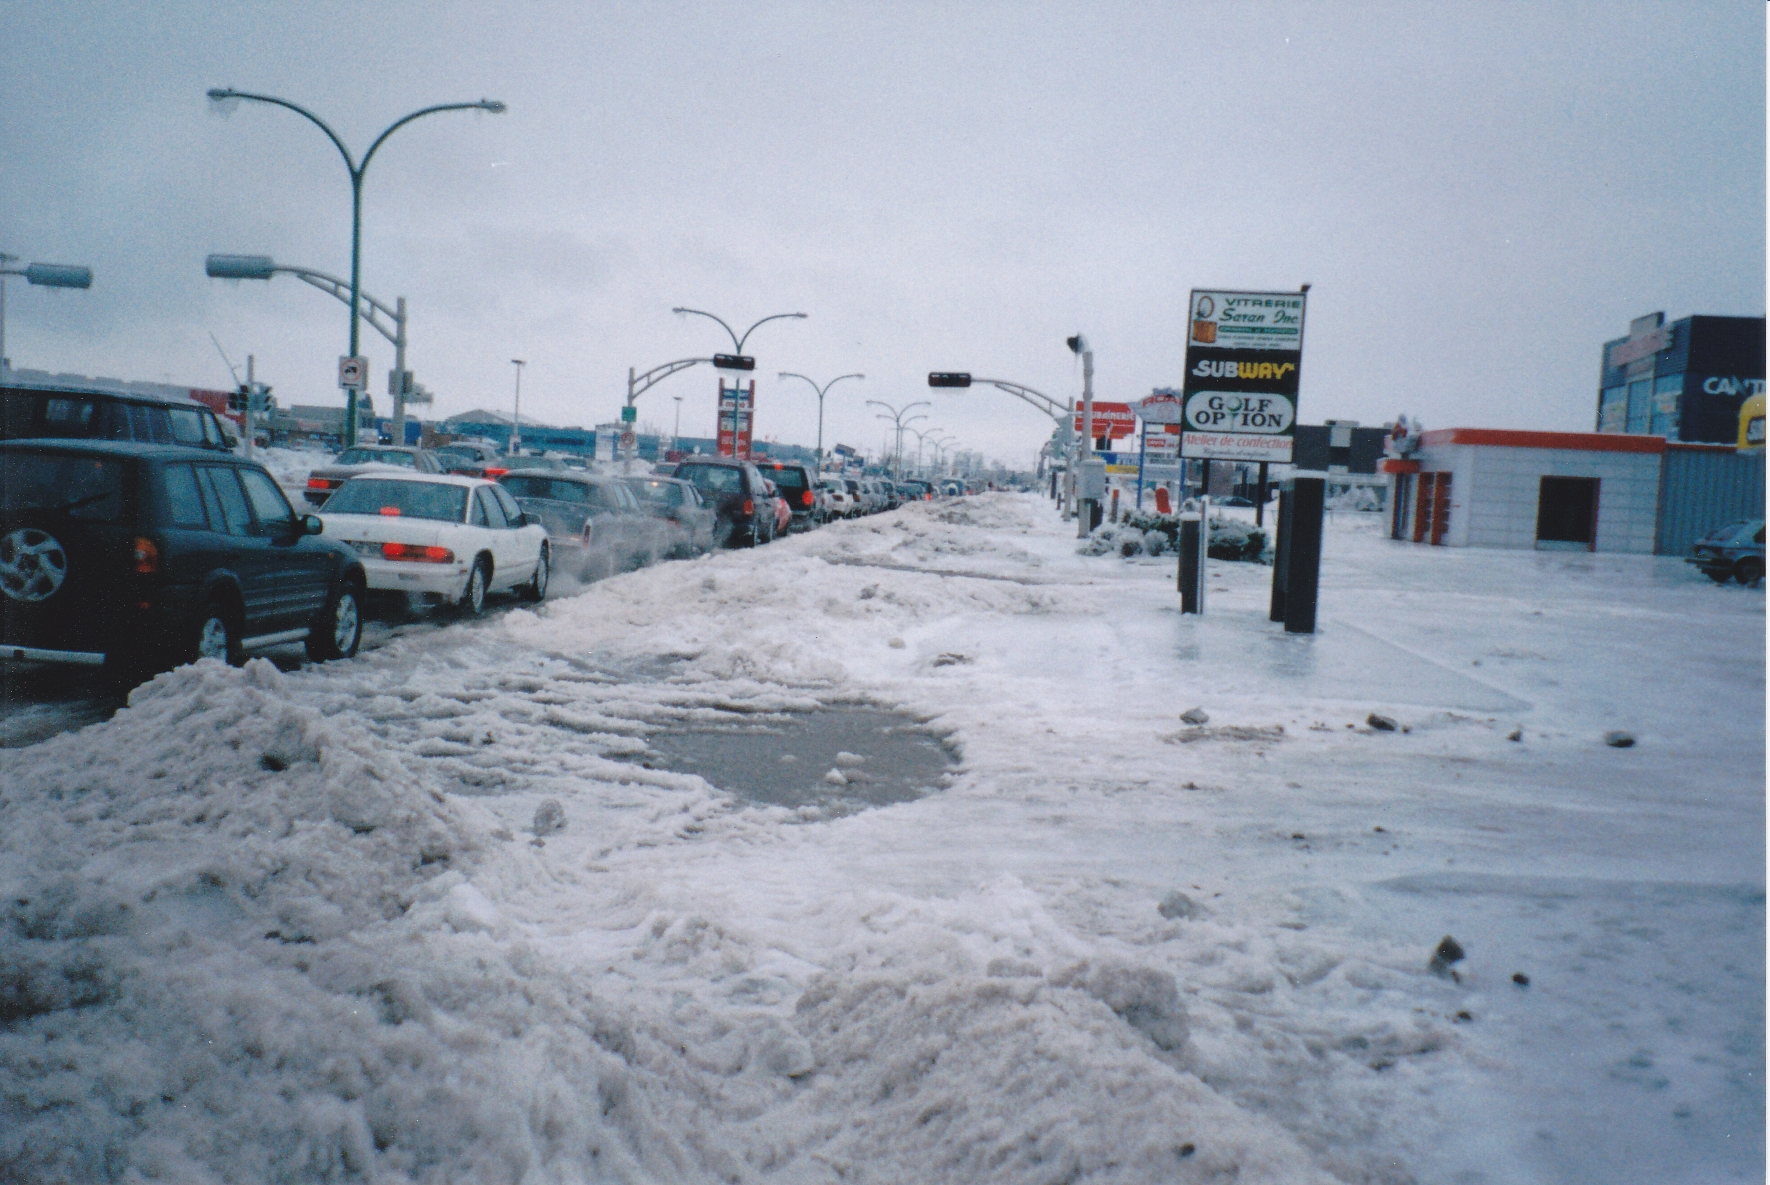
{"x": 543, "y": 570}
{"x": 32, "y": 565}
{"x": 345, "y": 622}
{"x": 476, "y": 589}
{"x": 212, "y": 642}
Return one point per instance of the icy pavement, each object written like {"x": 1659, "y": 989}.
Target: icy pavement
{"x": 446, "y": 913}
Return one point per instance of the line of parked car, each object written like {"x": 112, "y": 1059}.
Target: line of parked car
{"x": 134, "y": 538}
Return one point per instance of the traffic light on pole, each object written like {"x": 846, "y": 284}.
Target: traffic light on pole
{"x": 734, "y": 362}
{"x": 942, "y": 378}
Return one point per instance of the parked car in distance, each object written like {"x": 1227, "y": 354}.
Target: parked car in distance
{"x": 797, "y": 486}
{"x": 56, "y": 412}
{"x": 138, "y": 557}
{"x": 441, "y": 538}
{"x": 471, "y": 458}
{"x": 688, "y": 520}
{"x": 1731, "y": 552}
{"x": 352, "y": 461}
{"x": 1236, "y": 500}
{"x": 836, "y": 501}
{"x": 783, "y": 514}
{"x": 734, "y": 490}
{"x": 596, "y": 526}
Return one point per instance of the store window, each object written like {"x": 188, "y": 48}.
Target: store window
{"x": 1640, "y": 405}
{"x": 1666, "y": 393}
{"x": 1613, "y": 409}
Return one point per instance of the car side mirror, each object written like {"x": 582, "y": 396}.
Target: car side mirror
{"x": 230, "y": 440}
{"x": 312, "y": 524}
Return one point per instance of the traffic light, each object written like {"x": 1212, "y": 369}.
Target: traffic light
{"x": 942, "y": 378}
{"x": 734, "y": 362}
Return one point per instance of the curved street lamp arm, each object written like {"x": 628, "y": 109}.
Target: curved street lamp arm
{"x": 1038, "y": 399}
{"x": 221, "y": 94}
{"x": 657, "y": 374}
{"x": 737, "y": 346}
{"x": 341, "y": 290}
{"x": 482, "y": 105}
{"x": 787, "y": 374}
{"x": 764, "y": 321}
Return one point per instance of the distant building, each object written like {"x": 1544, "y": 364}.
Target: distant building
{"x": 1684, "y": 381}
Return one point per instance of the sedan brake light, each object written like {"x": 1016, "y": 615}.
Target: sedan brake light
{"x": 495, "y": 471}
{"x": 320, "y": 483}
{"x": 417, "y": 553}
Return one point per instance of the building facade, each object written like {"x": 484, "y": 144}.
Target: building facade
{"x": 1684, "y": 381}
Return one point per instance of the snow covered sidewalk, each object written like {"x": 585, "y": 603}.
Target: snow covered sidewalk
{"x": 440, "y": 914}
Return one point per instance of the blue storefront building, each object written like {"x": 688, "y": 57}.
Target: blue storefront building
{"x": 1684, "y": 381}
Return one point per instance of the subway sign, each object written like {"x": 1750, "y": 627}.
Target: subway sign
{"x": 1244, "y": 357}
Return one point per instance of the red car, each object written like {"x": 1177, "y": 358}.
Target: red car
{"x": 783, "y": 513}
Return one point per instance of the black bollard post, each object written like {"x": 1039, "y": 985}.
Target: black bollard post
{"x": 1281, "y": 552}
{"x": 1191, "y": 546}
{"x": 1303, "y": 569}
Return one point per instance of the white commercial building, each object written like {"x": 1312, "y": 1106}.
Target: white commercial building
{"x": 1552, "y": 491}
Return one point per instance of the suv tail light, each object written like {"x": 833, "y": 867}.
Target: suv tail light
{"x": 145, "y": 556}
{"x": 806, "y": 498}
{"x": 417, "y": 553}
{"x": 749, "y": 506}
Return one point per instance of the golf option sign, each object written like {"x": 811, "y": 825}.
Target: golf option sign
{"x": 1243, "y": 352}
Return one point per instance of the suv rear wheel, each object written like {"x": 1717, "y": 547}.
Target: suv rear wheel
{"x": 216, "y": 636}
{"x": 338, "y": 631}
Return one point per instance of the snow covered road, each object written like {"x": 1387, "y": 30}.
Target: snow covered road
{"x": 329, "y": 924}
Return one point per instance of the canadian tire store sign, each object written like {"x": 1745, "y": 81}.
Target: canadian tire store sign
{"x": 1244, "y": 351}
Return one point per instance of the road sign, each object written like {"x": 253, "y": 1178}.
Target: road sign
{"x": 353, "y": 372}
{"x": 629, "y": 414}
{"x": 734, "y": 362}
{"x": 629, "y": 441}
{"x": 949, "y": 378}
{"x": 1110, "y": 419}
{"x": 1161, "y": 407}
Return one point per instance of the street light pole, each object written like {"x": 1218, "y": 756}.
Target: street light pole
{"x": 44, "y": 275}
{"x": 676, "y": 432}
{"x": 516, "y": 415}
{"x": 229, "y": 94}
{"x": 1085, "y": 454}
{"x": 787, "y": 374}
{"x": 897, "y": 418}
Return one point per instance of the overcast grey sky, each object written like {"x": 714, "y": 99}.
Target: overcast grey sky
{"x": 1480, "y": 194}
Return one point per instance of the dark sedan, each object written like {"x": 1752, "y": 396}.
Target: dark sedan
{"x": 687, "y": 517}
{"x": 594, "y": 523}
{"x": 352, "y": 461}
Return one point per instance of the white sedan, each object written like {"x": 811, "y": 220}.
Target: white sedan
{"x": 445, "y": 538}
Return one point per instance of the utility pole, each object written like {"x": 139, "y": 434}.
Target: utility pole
{"x": 516, "y": 418}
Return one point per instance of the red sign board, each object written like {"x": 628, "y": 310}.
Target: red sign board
{"x": 736, "y": 420}
{"x": 1110, "y": 419}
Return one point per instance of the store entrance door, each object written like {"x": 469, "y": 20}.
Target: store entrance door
{"x": 1567, "y": 514}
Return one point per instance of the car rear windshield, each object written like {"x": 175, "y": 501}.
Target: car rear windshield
{"x": 661, "y": 493}
{"x": 790, "y": 480}
{"x": 87, "y": 488}
{"x": 400, "y": 499}
{"x": 717, "y": 479}
{"x": 376, "y": 456}
{"x": 556, "y": 490}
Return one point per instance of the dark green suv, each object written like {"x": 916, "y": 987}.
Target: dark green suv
{"x": 139, "y": 557}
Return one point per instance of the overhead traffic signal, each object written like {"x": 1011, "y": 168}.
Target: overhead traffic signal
{"x": 734, "y": 362}
{"x": 945, "y": 378}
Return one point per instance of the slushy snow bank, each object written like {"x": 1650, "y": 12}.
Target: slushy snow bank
{"x": 437, "y": 914}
